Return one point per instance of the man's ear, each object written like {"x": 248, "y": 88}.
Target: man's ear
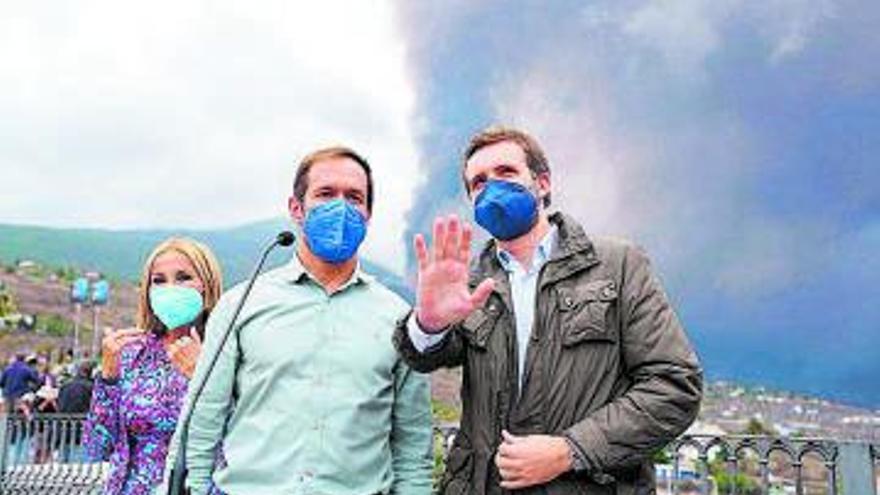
{"x": 468, "y": 196}
{"x": 296, "y": 210}
{"x": 543, "y": 183}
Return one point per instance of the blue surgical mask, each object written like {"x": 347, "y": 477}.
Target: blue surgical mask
{"x": 175, "y": 305}
{"x": 506, "y": 209}
{"x": 334, "y": 230}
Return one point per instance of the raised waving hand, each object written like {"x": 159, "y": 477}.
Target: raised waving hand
{"x": 443, "y": 296}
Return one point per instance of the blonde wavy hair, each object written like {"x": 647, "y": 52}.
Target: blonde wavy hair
{"x": 207, "y": 270}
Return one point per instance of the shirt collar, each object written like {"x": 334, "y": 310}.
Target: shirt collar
{"x": 294, "y": 272}
{"x": 541, "y": 255}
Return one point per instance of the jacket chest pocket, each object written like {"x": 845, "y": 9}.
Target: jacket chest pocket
{"x": 477, "y": 327}
{"x": 586, "y": 312}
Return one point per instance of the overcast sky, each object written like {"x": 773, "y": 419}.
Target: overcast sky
{"x": 737, "y": 140}
{"x": 194, "y": 114}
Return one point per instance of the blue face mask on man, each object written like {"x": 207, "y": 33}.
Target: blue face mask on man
{"x": 334, "y": 230}
{"x": 175, "y": 305}
{"x": 506, "y": 209}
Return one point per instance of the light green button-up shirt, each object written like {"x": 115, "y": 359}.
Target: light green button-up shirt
{"x": 320, "y": 402}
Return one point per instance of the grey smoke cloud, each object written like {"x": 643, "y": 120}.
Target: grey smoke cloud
{"x": 625, "y": 98}
{"x": 733, "y": 139}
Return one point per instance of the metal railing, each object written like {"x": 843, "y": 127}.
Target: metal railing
{"x": 43, "y": 453}
{"x": 751, "y": 465}
{"x": 746, "y": 464}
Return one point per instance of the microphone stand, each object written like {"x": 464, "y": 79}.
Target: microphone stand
{"x": 177, "y": 483}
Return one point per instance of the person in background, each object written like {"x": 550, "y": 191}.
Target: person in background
{"x": 21, "y": 432}
{"x": 145, "y": 371}
{"x": 45, "y": 403}
{"x": 76, "y": 395}
{"x": 47, "y": 395}
{"x": 17, "y": 379}
{"x": 74, "y": 399}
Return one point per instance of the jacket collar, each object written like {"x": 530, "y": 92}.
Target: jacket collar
{"x": 542, "y": 254}
{"x": 573, "y": 252}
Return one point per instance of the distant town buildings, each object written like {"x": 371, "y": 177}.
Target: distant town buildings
{"x": 730, "y": 408}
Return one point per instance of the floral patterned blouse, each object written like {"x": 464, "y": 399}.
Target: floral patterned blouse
{"x": 132, "y": 419}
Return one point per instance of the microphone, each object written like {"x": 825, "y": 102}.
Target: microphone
{"x": 177, "y": 484}
{"x": 285, "y": 238}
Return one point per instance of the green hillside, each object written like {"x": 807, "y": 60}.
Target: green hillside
{"x": 121, "y": 253}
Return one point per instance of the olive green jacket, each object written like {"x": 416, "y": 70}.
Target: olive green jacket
{"x": 608, "y": 365}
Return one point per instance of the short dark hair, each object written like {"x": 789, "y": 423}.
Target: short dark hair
{"x": 301, "y": 180}
{"x": 535, "y": 158}
{"x": 85, "y": 369}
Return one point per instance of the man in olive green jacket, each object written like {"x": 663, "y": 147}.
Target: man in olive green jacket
{"x": 575, "y": 367}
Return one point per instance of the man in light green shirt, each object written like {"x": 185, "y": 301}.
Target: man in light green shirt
{"x": 311, "y": 397}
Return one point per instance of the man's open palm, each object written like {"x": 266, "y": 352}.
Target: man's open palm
{"x": 443, "y": 295}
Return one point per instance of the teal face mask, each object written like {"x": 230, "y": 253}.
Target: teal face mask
{"x": 175, "y": 305}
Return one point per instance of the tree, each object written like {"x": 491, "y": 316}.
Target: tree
{"x": 725, "y": 481}
{"x": 7, "y": 302}
{"x": 743, "y": 484}
{"x": 66, "y": 274}
{"x": 661, "y": 456}
{"x": 756, "y": 427}
{"x": 444, "y": 412}
{"x": 56, "y": 326}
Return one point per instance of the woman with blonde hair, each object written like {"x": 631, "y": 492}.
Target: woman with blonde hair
{"x": 145, "y": 370}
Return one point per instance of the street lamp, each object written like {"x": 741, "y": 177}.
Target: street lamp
{"x": 79, "y": 294}
{"x": 100, "y": 296}
{"x": 96, "y": 293}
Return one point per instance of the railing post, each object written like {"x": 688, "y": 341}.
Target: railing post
{"x": 798, "y": 477}
{"x": 4, "y": 444}
{"x": 764, "y": 464}
{"x": 733, "y": 471}
{"x": 703, "y": 472}
{"x": 676, "y": 468}
{"x": 856, "y": 469}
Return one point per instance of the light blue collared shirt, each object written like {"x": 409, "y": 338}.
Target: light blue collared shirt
{"x": 523, "y": 293}
{"x": 322, "y": 401}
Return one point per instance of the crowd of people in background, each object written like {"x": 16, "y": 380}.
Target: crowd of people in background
{"x": 34, "y": 385}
